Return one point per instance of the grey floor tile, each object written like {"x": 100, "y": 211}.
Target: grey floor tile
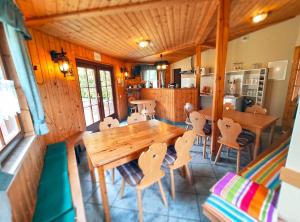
{"x": 198, "y": 158}
{"x": 129, "y": 200}
{"x": 123, "y": 215}
{"x": 87, "y": 189}
{"x": 184, "y": 206}
{"x": 112, "y": 194}
{"x": 177, "y": 219}
{"x": 202, "y": 170}
{"x": 220, "y": 171}
{"x": 203, "y": 184}
{"x": 94, "y": 213}
{"x": 153, "y": 203}
{"x": 201, "y": 200}
{"x": 181, "y": 185}
{"x": 154, "y": 217}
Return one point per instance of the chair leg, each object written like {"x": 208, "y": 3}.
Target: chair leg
{"x": 122, "y": 188}
{"x": 139, "y": 199}
{"x": 163, "y": 196}
{"x": 172, "y": 184}
{"x": 188, "y": 174}
{"x": 113, "y": 176}
{"x": 228, "y": 150}
{"x": 238, "y": 161}
{"x": 218, "y": 154}
{"x": 204, "y": 148}
{"x": 187, "y": 127}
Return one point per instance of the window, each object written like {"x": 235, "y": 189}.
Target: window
{"x": 150, "y": 76}
{"x": 9, "y": 126}
{"x": 107, "y": 92}
{"x": 89, "y": 95}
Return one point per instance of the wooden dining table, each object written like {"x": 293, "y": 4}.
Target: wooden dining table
{"x": 117, "y": 146}
{"x": 141, "y": 103}
{"x": 256, "y": 123}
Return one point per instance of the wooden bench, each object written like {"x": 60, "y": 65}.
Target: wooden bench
{"x": 217, "y": 209}
{"x": 59, "y": 194}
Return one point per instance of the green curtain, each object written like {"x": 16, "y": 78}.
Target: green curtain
{"x": 16, "y": 32}
{"x": 11, "y": 15}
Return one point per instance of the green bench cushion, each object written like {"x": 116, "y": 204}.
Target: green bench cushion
{"x": 54, "y": 199}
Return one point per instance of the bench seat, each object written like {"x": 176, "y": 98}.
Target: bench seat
{"x": 54, "y": 199}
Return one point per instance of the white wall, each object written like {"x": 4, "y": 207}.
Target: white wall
{"x": 288, "y": 203}
{"x": 276, "y": 42}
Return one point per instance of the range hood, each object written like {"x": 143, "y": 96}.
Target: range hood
{"x": 189, "y": 69}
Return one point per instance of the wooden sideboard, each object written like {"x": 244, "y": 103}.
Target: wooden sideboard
{"x": 170, "y": 102}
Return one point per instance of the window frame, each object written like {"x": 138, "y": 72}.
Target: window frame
{"x": 7, "y": 147}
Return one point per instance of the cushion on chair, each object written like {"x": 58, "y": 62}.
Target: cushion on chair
{"x": 207, "y": 128}
{"x": 246, "y": 137}
{"x": 170, "y": 156}
{"x": 131, "y": 172}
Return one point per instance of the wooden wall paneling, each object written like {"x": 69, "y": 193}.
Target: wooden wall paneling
{"x": 220, "y": 63}
{"x": 24, "y": 187}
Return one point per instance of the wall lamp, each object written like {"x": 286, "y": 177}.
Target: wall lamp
{"x": 63, "y": 62}
{"x": 124, "y": 71}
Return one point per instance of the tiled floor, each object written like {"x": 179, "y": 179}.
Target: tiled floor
{"x": 186, "y": 206}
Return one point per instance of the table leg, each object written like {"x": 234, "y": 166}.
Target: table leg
{"x": 257, "y": 143}
{"x": 271, "y": 134}
{"x": 104, "y": 194}
{"x": 91, "y": 169}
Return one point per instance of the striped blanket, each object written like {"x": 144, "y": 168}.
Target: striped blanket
{"x": 252, "y": 198}
{"x": 266, "y": 171}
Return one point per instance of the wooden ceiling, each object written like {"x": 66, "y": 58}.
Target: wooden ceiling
{"x": 174, "y": 27}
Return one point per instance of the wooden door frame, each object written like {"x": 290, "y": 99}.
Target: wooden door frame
{"x": 290, "y": 106}
{"x": 100, "y": 66}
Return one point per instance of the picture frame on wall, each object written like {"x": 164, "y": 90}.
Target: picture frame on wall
{"x": 277, "y": 69}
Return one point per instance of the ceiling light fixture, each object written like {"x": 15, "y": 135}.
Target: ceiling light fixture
{"x": 144, "y": 43}
{"x": 260, "y": 17}
{"x": 162, "y": 64}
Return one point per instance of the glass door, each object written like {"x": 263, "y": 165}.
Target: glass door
{"x": 107, "y": 92}
{"x": 89, "y": 94}
{"x": 97, "y": 92}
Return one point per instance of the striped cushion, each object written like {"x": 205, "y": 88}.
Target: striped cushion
{"x": 246, "y": 137}
{"x": 170, "y": 156}
{"x": 252, "y": 198}
{"x": 131, "y": 172}
{"x": 266, "y": 171}
{"x": 217, "y": 206}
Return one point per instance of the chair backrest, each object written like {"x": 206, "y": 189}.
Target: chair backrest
{"x": 150, "y": 163}
{"x": 135, "y": 118}
{"x": 108, "y": 123}
{"x": 228, "y": 106}
{"x": 150, "y": 107}
{"x": 183, "y": 145}
{"x": 229, "y": 131}
{"x": 188, "y": 108}
{"x": 198, "y": 122}
{"x": 256, "y": 109}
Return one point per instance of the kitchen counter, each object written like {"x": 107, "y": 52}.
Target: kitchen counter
{"x": 170, "y": 102}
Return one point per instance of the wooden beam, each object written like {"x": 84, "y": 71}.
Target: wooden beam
{"x": 198, "y": 74}
{"x": 220, "y": 63}
{"x": 290, "y": 176}
{"x": 110, "y": 10}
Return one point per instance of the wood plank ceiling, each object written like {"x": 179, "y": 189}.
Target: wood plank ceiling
{"x": 174, "y": 27}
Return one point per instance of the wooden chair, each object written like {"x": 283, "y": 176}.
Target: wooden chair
{"x": 228, "y": 106}
{"x": 108, "y": 123}
{"x": 179, "y": 156}
{"x": 256, "y": 109}
{"x": 201, "y": 128}
{"x": 135, "y": 118}
{"x": 149, "y": 110}
{"x": 233, "y": 137}
{"x": 133, "y": 108}
{"x": 188, "y": 108}
{"x": 144, "y": 172}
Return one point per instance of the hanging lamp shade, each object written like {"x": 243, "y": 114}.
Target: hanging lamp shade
{"x": 162, "y": 64}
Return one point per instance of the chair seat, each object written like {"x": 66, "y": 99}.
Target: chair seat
{"x": 246, "y": 137}
{"x": 131, "y": 172}
{"x": 170, "y": 156}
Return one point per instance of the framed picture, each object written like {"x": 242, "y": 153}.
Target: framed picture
{"x": 277, "y": 69}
